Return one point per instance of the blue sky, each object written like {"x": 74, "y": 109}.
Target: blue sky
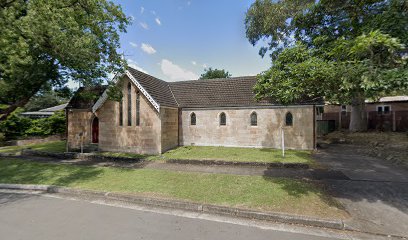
{"x": 176, "y": 39}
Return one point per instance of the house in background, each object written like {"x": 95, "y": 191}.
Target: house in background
{"x": 44, "y": 113}
{"x": 155, "y": 116}
{"x": 386, "y": 114}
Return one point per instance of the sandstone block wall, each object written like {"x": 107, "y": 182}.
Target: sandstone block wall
{"x": 238, "y": 131}
{"x": 169, "y": 128}
{"x": 79, "y": 121}
{"x": 143, "y": 139}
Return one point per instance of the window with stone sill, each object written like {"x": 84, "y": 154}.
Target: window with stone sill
{"x": 193, "y": 119}
{"x": 289, "y": 119}
{"x": 223, "y": 119}
{"x": 254, "y": 119}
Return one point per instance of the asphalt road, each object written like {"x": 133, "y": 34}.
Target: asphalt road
{"x": 41, "y": 217}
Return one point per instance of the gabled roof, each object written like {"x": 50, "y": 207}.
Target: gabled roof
{"x": 86, "y": 97}
{"x": 158, "y": 89}
{"x": 204, "y": 93}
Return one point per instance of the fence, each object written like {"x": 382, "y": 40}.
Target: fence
{"x": 392, "y": 121}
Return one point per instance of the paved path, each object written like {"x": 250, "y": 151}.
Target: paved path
{"x": 37, "y": 217}
{"x": 377, "y": 193}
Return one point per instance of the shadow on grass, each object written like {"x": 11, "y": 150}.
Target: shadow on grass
{"x": 22, "y": 172}
{"x": 300, "y": 188}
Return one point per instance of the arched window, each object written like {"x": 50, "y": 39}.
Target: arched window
{"x": 193, "y": 119}
{"x": 121, "y": 112}
{"x": 129, "y": 103}
{"x": 223, "y": 119}
{"x": 137, "y": 108}
{"x": 289, "y": 119}
{"x": 254, "y": 119}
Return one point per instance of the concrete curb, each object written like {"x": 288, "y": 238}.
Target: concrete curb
{"x": 183, "y": 205}
{"x": 241, "y": 164}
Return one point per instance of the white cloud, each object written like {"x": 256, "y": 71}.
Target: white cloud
{"x": 142, "y": 9}
{"x": 158, "y": 21}
{"x": 153, "y": 12}
{"x": 133, "y": 64}
{"x": 175, "y": 72}
{"x": 133, "y": 44}
{"x": 194, "y": 63}
{"x": 147, "y": 48}
{"x": 144, "y": 25}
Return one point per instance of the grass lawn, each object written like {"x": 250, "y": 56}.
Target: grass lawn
{"x": 55, "y": 146}
{"x": 239, "y": 154}
{"x": 255, "y": 192}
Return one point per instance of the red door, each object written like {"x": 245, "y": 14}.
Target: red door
{"x": 95, "y": 130}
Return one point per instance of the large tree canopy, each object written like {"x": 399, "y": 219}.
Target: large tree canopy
{"x": 345, "y": 51}
{"x": 212, "y": 73}
{"x": 45, "y": 43}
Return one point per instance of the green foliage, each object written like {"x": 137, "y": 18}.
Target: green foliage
{"x": 47, "y": 99}
{"x": 15, "y": 125}
{"x": 211, "y": 73}
{"x": 297, "y": 75}
{"x": 55, "y": 124}
{"x": 345, "y": 51}
{"x": 367, "y": 66}
{"x": 2, "y": 138}
{"x": 272, "y": 21}
{"x": 46, "y": 43}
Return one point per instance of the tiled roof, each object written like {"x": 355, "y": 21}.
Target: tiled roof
{"x": 202, "y": 93}
{"x": 230, "y": 92}
{"x": 158, "y": 89}
{"x": 86, "y": 97}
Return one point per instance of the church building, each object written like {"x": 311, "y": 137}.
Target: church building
{"x": 155, "y": 116}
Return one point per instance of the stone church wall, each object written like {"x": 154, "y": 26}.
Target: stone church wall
{"x": 238, "y": 131}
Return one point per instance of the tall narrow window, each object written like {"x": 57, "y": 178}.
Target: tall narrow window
{"x": 223, "y": 119}
{"x": 193, "y": 119}
{"x": 137, "y": 108}
{"x": 289, "y": 119}
{"x": 129, "y": 103}
{"x": 121, "y": 112}
{"x": 254, "y": 119}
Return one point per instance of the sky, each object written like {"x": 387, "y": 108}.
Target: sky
{"x": 177, "y": 39}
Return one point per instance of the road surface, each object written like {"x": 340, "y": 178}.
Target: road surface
{"x": 40, "y": 216}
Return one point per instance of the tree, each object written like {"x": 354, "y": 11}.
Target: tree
{"x": 46, "y": 99}
{"x": 363, "y": 39}
{"x": 211, "y": 73}
{"x": 44, "y": 44}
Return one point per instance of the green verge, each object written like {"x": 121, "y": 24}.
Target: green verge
{"x": 253, "y": 192}
{"x": 55, "y": 146}
{"x": 239, "y": 154}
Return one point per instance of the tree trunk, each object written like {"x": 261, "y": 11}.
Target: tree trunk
{"x": 358, "y": 118}
{"x": 4, "y": 113}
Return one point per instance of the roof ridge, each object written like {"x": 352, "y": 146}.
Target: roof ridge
{"x": 215, "y": 79}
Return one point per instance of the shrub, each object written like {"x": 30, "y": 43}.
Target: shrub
{"x": 55, "y": 124}
{"x": 15, "y": 125}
